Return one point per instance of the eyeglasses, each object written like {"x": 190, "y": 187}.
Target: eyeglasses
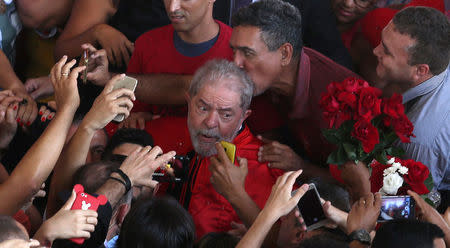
{"x": 363, "y": 3}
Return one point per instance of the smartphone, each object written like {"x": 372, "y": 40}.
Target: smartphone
{"x": 230, "y": 150}
{"x": 311, "y": 209}
{"x": 396, "y": 207}
{"x": 129, "y": 83}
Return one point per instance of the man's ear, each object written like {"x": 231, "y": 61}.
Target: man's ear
{"x": 187, "y": 97}
{"x": 421, "y": 72}
{"x": 287, "y": 52}
{"x": 247, "y": 113}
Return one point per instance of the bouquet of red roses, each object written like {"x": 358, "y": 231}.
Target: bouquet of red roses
{"x": 363, "y": 125}
{"x": 398, "y": 176}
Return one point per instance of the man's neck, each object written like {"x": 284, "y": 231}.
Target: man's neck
{"x": 205, "y": 31}
{"x": 287, "y": 82}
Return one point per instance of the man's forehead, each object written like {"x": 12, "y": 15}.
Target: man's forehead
{"x": 245, "y": 35}
{"x": 224, "y": 94}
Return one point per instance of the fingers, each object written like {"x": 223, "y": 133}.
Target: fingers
{"x": 243, "y": 164}
{"x": 110, "y": 85}
{"x": 89, "y": 47}
{"x": 221, "y": 154}
{"x": 122, "y": 92}
{"x": 70, "y": 201}
{"x": 141, "y": 123}
{"x": 264, "y": 140}
{"x": 75, "y": 72}
{"x": 55, "y": 73}
{"x": 301, "y": 192}
{"x": 66, "y": 68}
{"x": 377, "y": 200}
{"x": 125, "y": 53}
{"x": 130, "y": 46}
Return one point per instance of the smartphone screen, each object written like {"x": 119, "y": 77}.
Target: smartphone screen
{"x": 396, "y": 207}
{"x": 311, "y": 208}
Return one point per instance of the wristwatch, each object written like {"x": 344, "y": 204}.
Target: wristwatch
{"x": 360, "y": 235}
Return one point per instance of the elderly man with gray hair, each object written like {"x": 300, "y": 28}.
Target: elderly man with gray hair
{"x": 218, "y": 101}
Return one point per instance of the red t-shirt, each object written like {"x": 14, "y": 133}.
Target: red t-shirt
{"x": 155, "y": 53}
{"x": 210, "y": 210}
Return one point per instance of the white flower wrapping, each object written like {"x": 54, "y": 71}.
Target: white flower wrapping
{"x": 391, "y": 183}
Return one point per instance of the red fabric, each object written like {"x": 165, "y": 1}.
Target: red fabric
{"x": 23, "y": 219}
{"x": 212, "y": 212}
{"x": 155, "y": 53}
{"x": 373, "y": 23}
{"x": 303, "y": 114}
{"x": 347, "y": 36}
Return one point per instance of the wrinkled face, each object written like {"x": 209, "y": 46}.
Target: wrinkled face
{"x": 185, "y": 15}
{"x": 350, "y": 11}
{"x": 97, "y": 146}
{"x": 392, "y": 54}
{"x": 214, "y": 114}
{"x": 252, "y": 54}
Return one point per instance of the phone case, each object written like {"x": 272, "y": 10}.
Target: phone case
{"x": 84, "y": 201}
{"x": 128, "y": 83}
{"x": 230, "y": 150}
{"x": 399, "y": 210}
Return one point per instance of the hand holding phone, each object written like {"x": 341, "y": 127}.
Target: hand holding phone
{"x": 311, "y": 209}
{"x": 396, "y": 207}
{"x": 230, "y": 150}
{"x": 128, "y": 83}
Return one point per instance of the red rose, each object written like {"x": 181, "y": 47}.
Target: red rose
{"x": 403, "y": 128}
{"x": 364, "y": 131}
{"x": 393, "y": 106}
{"x": 350, "y": 85}
{"x": 417, "y": 174}
{"x": 348, "y": 99}
{"x": 330, "y": 107}
{"x": 369, "y": 104}
{"x": 376, "y": 178}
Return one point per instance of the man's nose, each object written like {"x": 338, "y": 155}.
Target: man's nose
{"x": 211, "y": 120}
{"x": 238, "y": 59}
{"x": 173, "y": 5}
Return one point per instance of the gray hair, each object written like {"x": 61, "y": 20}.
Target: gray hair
{"x": 214, "y": 70}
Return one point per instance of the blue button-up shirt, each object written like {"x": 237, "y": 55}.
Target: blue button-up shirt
{"x": 430, "y": 115}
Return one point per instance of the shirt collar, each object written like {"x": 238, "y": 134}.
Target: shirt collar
{"x": 425, "y": 87}
{"x": 299, "y": 108}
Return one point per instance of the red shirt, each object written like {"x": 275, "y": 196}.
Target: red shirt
{"x": 303, "y": 115}
{"x": 211, "y": 211}
{"x": 155, "y": 53}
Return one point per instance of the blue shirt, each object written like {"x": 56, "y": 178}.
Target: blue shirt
{"x": 10, "y": 27}
{"x": 430, "y": 115}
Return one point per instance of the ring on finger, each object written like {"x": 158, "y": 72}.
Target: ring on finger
{"x": 65, "y": 74}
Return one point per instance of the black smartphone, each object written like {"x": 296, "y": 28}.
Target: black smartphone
{"x": 396, "y": 207}
{"x": 311, "y": 209}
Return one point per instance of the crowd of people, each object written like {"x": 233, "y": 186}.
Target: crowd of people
{"x": 247, "y": 72}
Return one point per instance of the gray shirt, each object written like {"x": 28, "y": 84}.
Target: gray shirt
{"x": 430, "y": 115}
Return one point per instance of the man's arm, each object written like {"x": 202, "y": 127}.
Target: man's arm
{"x": 106, "y": 106}
{"x": 38, "y": 162}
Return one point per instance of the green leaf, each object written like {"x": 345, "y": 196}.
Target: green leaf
{"x": 429, "y": 182}
{"x": 395, "y": 151}
{"x": 381, "y": 157}
{"x": 341, "y": 156}
{"x": 350, "y": 150}
{"x": 332, "y": 158}
{"x": 390, "y": 138}
{"x": 331, "y": 135}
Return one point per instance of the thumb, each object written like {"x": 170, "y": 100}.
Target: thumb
{"x": 243, "y": 165}
{"x": 70, "y": 202}
{"x": 264, "y": 140}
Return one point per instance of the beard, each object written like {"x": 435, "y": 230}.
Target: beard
{"x": 207, "y": 149}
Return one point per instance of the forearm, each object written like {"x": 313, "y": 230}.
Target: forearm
{"x": 71, "y": 159}
{"x": 162, "y": 88}
{"x": 245, "y": 207}
{"x": 71, "y": 46}
{"x": 8, "y": 78}
{"x": 36, "y": 165}
{"x": 113, "y": 190}
{"x": 258, "y": 231}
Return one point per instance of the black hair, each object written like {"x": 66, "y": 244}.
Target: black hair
{"x": 338, "y": 196}
{"x": 157, "y": 222}
{"x": 279, "y": 22}
{"x": 323, "y": 241}
{"x": 406, "y": 233}
{"x": 217, "y": 240}
{"x": 127, "y": 135}
{"x": 10, "y": 230}
{"x": 93, "y": 175}
{"x": 431, "y": 31}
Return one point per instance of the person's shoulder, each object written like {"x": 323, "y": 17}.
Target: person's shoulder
{"x": 326, "y": 66}
{"x": 225, "y": 30}
{"x": 157, "y": 34}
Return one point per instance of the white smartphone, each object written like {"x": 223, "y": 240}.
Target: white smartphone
{"x": 129, "y": 83}
{"x": 311, "y": 209}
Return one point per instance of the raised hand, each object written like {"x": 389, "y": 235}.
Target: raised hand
{"x": 67, "y": 224}
{"x": 109, "y": 104}
{"x": 64, "y": 82}
{"x": 8, "y": 114}
{"x": 137, "y": 120}
{"x": 118, "y": 48}
{"x": 98, "y": 72}
{"x": 39, "y": 87}
{"x": 140, "y": 165}
{"x": 364, "y": 213}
